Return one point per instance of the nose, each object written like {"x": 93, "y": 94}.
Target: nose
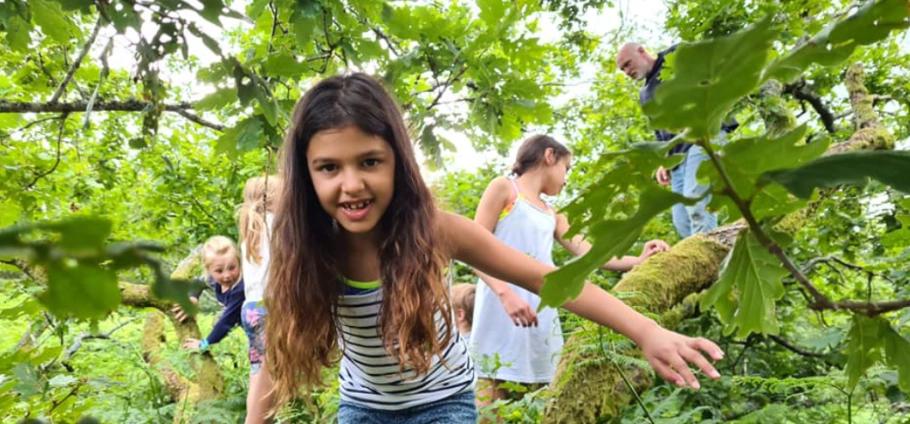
{"x": 352, "y": 182}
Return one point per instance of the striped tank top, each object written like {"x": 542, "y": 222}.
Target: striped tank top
{"x": 370, "y": 377}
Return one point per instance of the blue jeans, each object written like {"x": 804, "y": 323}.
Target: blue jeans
{"x": 458, "y": 409}
{"x": 693, "y": 219}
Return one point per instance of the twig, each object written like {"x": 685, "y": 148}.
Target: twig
{"x": 56, "y": 162}
{"x": 445, "y": 86}
{"x": 72, "y": 71}
{"x": 801, "y": 92}
{"x": 795, "y": 349}
{"x": 275, "y": 24}
{"x": 57, "y": 403}
{"x": 197, "y": 119}
{"x": 77, "y": 342}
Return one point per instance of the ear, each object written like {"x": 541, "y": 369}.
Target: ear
{"x": 549, "y": 156}
{"x": 459, "y": 315}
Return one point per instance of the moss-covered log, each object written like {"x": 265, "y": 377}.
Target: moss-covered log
{"x": 595, "y": 391}
{"x": 207, "y": 383}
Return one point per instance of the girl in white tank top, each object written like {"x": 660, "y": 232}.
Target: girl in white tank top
{"x": 505, "y": 324}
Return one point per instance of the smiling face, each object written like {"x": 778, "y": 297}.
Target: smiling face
{"x": 224, "y": 269}
{"x": 353, "y": 175}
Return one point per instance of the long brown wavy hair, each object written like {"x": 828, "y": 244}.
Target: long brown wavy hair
{"x": 305, "y": 278}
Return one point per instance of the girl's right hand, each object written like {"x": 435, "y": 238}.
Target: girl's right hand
{"x": 521, "y": 313}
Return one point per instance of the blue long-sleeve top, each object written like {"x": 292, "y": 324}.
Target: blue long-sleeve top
{"x": 233, "y": 303}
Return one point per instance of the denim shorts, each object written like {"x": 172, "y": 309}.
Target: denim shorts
{"x": 252, "y": 317}
{"x": 458, "y": 409}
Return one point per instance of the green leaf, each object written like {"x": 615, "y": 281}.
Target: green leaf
{"x": 28, "y": 380}
{"x": 209, "y": 42}
{"x": 748, "y": 288}
{"x": 220, "y": 99}
{"x": 81, "y": 291}
{"x": 124, "y": 18}
{"x": 832, "y": 46}
{"x": 431, "y": 147}
{"x": 178, "y": 291}
{"x": 51, "y": 20}
{"x": 211, "y": 10}
{"x": 284, "y": 65}
{"x": 612, "y": 238}
{"x": 897, "y": 354}
{"x": 266, "y": 101}
{"x": 888, "y": 167}
{"x": 708, "y": 78}
{"x": 492, "y": 11}
{"x": 28, "y": 307}
{"x": 83, "y": 232}
{"x": 17, "y": 32}
{"x": 634, "y": 166}
{"x": 138, "y": 143}
{"x": 746, "y": 159}
{"x": 84, "y": 6}
{"x": 863, "y": 347}
{"x": 9, "y": 212}
{"x": 244, "y": 136}
{"x": 62, "y": 380}
{"x": 303, "y": 25}
{"x": 255, "y": 8}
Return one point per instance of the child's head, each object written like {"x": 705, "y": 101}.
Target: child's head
{"x": 351, "y": 181}
{"x": 260, "y": 196}
{"x": 221, "y": 260}
{"x": 541, "y": 153}
{"x": 463, "y": 302}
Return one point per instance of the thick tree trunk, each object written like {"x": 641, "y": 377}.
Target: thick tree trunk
{"x": 186, "y": 391}
{"x": 586, "y": 391}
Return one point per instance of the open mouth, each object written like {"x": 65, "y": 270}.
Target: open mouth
{"x": 356, "y": 210}
{"x": 356, "y": 206}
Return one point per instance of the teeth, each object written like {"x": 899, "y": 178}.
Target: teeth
{"x": 356, "y": 206}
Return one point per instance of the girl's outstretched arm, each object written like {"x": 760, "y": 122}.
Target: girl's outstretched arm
{"x": 668, "y": 353}
{"x": 578, "y": 246}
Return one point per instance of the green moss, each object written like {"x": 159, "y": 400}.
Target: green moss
{"x": 660, "y": 283}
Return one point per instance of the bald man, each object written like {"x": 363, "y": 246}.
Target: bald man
{"x": 639, "y": 65}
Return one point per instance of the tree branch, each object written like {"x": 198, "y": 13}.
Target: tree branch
{"x": 103, "y": 106}
{"x": 81, "y": 106}
{"x": 197, "y": 119}
{"x": 72, "y": 71}
{"x": 56, "y": 162}
{"x": 803, "y": 93}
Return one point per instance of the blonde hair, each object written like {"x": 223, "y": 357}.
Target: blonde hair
{"x": 218, "y": 247}
{"x": 259, "y": 197}
{"x": 463, "y": 298}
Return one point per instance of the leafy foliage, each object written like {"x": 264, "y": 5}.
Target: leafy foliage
{"x": 76, "y": 185}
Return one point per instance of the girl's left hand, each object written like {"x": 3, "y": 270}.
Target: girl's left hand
{"x": 191, "y": 344}
{"x": 670, "y": 354}
{"x": 653, "y": 247}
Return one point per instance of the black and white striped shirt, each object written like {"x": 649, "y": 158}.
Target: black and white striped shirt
{"x": 371, "y": 377}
